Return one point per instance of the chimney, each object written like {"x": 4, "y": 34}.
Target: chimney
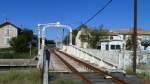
{"x": 7, "y": 20}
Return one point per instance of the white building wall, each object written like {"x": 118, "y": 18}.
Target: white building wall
{"x": 121, "y": 43}
{"x": 118, "y": 37}
{"x": 13, "y": 32}
{"x": 103, "y": 45}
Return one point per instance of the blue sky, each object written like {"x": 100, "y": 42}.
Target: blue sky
{"x": 119, "y": 14}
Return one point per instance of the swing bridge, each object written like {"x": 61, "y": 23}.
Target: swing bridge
{"x": 89, "y": 66}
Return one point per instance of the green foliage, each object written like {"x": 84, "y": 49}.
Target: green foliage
{"x": 145, "y": 43}
{"x": 129, "y": 44}
{"x": 5, "y": 49}
{"x": 94, "y": 35}
{"x": 129, "y": 70}
{"x": 21, "y": 42}
{"x": 144, "y": 75}
{"x": 83, "y": 26}
{"x": 97, "y": 36}
{"x": 49, "y": 41}
{"x": 31, "y": 76}
{"x": 90, "y": 35}
{"x": 74, "y": 33}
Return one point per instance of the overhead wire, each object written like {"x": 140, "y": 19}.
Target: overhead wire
{"x": 98, "y": 12}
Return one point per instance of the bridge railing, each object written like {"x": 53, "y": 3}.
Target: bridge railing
{"x": 45, "y": 68}
{"x": 119, "y": 59}
{"x": 115, "y": 57}
{"x": 89, "y": 56}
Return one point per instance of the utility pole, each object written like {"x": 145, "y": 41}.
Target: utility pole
{"x": 135, "y": 36}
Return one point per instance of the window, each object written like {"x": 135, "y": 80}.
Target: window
{"x": 115, "y": 47}
{"x": 112, "y": 47}
{"x": 7, "y": 32}
{"x": 107, "y": 47}
{"x": 118, "y": 47}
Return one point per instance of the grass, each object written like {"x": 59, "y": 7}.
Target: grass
{"x": 20, "y": 76}
{"x": 30, "y": 76}
{"x": 144, "y": 75}
{"x": 10, "y": 54}
{"x": 129, "y": 70}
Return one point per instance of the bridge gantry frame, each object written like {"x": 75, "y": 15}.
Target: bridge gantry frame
{"x": 42, "y": 62}
{"x": 41, "y": 34}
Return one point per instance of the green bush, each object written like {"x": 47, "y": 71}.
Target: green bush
{"x": 22, "y": 41}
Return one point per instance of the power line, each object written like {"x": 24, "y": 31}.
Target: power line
{"x": 99, "y": 11}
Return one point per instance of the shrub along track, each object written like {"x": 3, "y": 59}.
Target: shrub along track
{"x": 116, "y": 80}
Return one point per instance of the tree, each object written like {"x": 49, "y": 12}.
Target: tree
{"x": 97, "y": 35}
{"x": 22, "y": 41}
{"x": 91, "y": 35}
{"x": 49, "y": 41}
{"x": 129, "y": 44}
{"x": 145, "y": 43}
{"x": 74, "y": 33}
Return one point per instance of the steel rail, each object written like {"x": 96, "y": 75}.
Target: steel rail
{"x": 82, "y": 77}
{"x": 97, "y": 70}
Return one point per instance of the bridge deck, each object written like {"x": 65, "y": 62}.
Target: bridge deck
{"x": 56, "y": 65}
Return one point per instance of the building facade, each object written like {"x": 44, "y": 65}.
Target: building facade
{"x": 7, "y": 31}
{"x": 118, "y": 40}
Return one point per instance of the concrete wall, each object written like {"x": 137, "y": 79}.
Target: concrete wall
{"x": 13, "y": 32}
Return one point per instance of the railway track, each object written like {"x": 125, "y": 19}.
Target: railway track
{"x": 85, "y": 80}
{"x": 96, "y": 76}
